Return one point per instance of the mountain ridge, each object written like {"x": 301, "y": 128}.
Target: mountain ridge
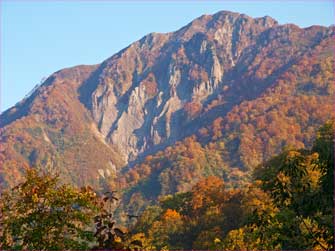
{"x": 164, "y": 88}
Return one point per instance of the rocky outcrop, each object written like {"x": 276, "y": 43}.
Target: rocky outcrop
{"x": 142, "y": 90}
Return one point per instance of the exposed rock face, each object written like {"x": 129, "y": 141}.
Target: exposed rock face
{"x": 141, "y": 89}
{"x": 156, "y": 91}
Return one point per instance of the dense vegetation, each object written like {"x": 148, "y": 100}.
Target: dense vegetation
{"x": 288, "y": 205}
{"x": 43, "y": 214}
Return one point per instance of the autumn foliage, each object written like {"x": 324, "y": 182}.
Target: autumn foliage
{"x": 286, "y": 206}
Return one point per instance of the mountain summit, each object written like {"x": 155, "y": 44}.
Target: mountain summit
{"x": 248, "y": 82}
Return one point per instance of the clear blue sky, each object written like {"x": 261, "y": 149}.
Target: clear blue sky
{"x": 39, "y": 38}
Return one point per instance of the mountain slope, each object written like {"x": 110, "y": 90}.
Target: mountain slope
{"x": 244, "y": 87}
{"x": 53, "y": 130}
{"x": 284, "y": 116}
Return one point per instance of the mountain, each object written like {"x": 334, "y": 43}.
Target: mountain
{"x": 218, "y": 96}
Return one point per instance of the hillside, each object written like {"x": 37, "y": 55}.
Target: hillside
{"x": 217, "y": 97}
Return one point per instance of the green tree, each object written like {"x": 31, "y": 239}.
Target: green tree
{"x": 300, "y": 183}
{"x": 40, "y": 214}
{"x": 324, "y": 146}
{"x": 323, "y": 201}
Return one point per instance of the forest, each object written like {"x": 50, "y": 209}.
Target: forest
{"x": 285, "y": 204}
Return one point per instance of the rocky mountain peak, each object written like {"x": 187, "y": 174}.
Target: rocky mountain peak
{"x": 160, "y": 89}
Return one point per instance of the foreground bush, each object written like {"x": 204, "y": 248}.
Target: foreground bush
{"x": 40, "y": 214}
